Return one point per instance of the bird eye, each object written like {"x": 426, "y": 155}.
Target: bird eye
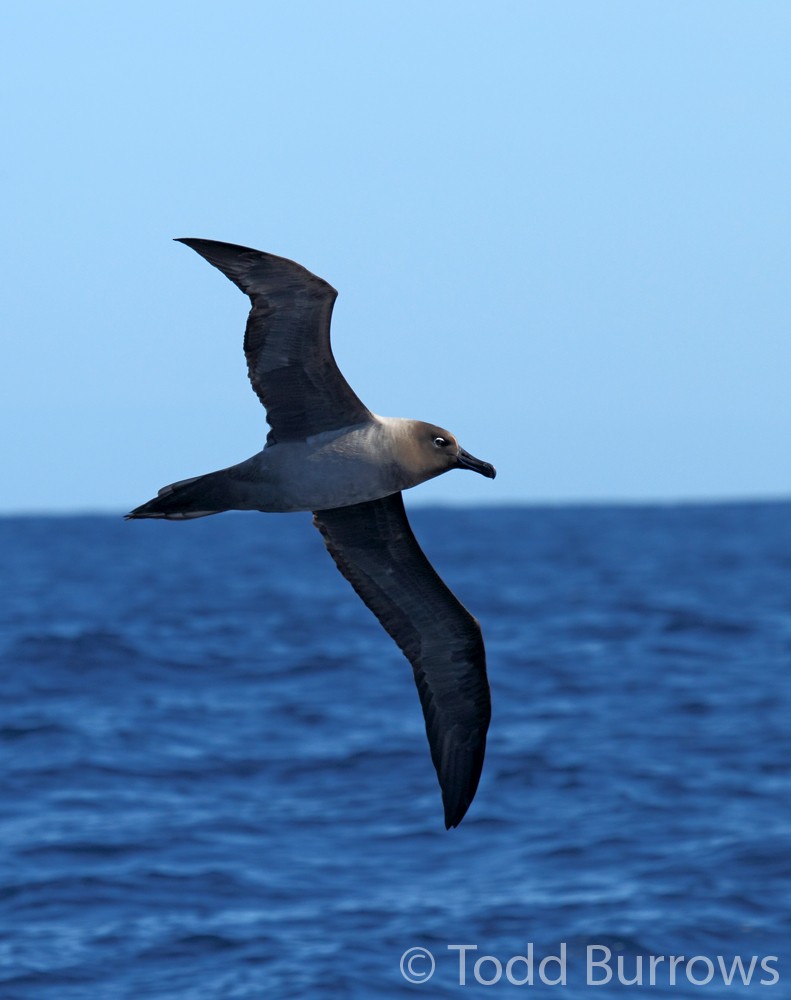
{"x": 440, "y": 442}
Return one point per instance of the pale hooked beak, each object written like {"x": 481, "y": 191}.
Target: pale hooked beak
{"x": 468, "y": 461}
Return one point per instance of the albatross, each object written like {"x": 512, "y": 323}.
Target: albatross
{"x": 326, "y": 452}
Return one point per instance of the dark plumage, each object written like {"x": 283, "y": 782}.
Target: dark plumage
{"x": 373, "y": 546}
{"x": 328, "y": 453}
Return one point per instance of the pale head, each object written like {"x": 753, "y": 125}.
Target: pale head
{"x": 431, "y": 450}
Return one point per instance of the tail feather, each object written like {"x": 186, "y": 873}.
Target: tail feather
{"x": 187, "y": 499}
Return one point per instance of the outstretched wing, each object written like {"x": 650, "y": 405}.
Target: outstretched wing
{"x": 373, "y": 546}
{"x": 287, "y": 342}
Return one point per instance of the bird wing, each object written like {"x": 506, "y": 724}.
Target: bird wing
{"x": 287, "y": 342}
{"x": 373, "y": 546}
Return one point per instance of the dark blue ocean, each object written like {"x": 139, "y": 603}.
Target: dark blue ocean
{"x": 217, "y": 784}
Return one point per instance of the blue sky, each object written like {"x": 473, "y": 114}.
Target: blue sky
{"x": 561, "y": 229}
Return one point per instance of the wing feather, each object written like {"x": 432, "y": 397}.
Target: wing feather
{"x": 287, "y": 342}
{"x": 374, "y": 548}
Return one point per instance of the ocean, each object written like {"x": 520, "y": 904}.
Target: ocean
{"x": 216, "y": 782}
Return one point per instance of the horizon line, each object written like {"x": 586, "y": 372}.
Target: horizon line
{"x": 679, "y": 501}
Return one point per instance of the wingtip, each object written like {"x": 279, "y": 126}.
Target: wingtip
{"x": 458, "y": 787}
{"x": 452, "y": 819}
{"x": 197, "y": 241}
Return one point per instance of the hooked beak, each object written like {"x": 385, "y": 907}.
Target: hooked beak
{"x": 468, "y": 461}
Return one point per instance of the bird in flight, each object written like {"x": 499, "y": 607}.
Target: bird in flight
{"x": 327, "y": 453}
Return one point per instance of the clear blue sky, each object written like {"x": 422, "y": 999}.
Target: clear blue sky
{"x": 561, "y": 229}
